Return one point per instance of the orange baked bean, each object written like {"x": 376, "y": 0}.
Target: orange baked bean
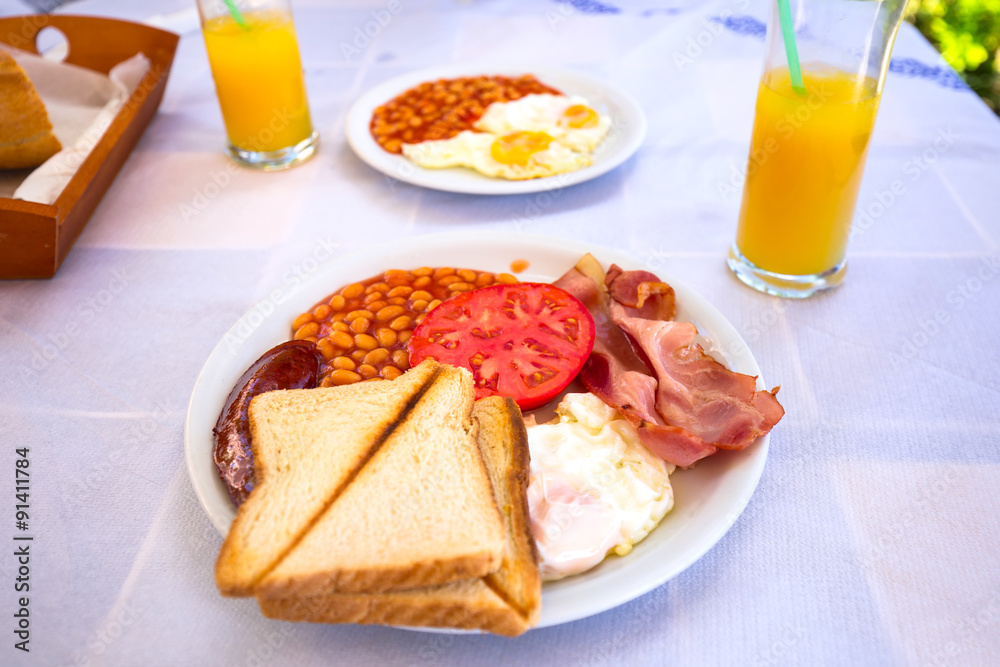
{"x": 365, "y": 342}
{"x": 397, "y": 278}
{"x": 339, "y": 377}
{"x": 342, "y": 339}
{"x": 302, "y": 320}
{"x": 353, "y": 291}
{"x": 400, "y": 323}
{"x": 389, "y": 313}
{"x": 377, "y": 356}
{"x": 306, "y": 330}
{"x": 360, "y": 325}
{"x": 344, "y": 363}
{"x": 442, "y": 272}
{"x": 400, "y": 359}
{"x": 386, "y": 337}
{"x": 326, "y": 349}
{"x": 355, "y": 314}
{"x": 421, "y": 295}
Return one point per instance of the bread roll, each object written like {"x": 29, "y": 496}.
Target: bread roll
{"x": 26, "y": 138}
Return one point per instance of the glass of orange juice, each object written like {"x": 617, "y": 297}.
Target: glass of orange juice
{"x": 809, "y": 143}
{"x": 255, "y": 62}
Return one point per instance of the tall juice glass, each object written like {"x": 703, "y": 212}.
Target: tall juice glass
{"x": 255, "y": 62}
{"x": 808, "y": 148}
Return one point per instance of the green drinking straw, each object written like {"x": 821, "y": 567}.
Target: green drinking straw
{"x": 791, "y": 51}
{"x": 237, "y": 14}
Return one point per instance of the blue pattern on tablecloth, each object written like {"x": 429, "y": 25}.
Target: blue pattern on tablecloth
{"x": 591, "y": 6}
{"x": 939, "y": 74}
{"x": 742, "y": 25}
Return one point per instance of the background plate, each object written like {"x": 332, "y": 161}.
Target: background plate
{"x": 628, "y": 130}
{"x": 708, "y": 498}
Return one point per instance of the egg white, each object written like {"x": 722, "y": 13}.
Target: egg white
{"x": 472, "y": 150}
{"x": 597, "y": 452}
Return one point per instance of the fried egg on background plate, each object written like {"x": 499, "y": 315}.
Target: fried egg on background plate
{"x": 594, "y": 488}
{"x": 569, "y": 120}
{"x": 533, "y": 137}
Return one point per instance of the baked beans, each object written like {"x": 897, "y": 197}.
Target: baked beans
{"x": 442, "y": 109}
{"x": 362, "y": 329}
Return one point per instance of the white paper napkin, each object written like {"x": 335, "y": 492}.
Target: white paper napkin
{"x": 81, "y": 104}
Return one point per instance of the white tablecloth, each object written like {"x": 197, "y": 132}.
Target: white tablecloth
{"x": 874, "y": 535}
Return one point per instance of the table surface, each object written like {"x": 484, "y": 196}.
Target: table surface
{"x": 873, "y": 536}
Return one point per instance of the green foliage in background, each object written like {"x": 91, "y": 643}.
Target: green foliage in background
{"x": 967, "y": 33}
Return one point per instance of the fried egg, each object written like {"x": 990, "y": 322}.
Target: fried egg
{"x": 569, "y": 120}
{"x": 594, "y": 488}
{"x": 516, "y": 155}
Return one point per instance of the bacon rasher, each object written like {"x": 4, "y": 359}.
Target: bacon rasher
{"x": 683, "y": 402}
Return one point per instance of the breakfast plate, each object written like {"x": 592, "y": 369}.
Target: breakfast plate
{"x": 708, "y": 497}
{"x": 628, "y": 130}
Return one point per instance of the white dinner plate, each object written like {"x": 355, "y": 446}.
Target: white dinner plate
{"x": 708, "y": 497}
{"x": 628, "y": 130}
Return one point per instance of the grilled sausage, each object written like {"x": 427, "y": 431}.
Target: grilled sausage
{"x": 291, "y": 365}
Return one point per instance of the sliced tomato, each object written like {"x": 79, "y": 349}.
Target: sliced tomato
{"x": 527, "y": 341}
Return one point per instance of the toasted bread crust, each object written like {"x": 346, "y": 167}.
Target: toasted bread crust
{"x": 518, "y": 580}
{"x": 428, "y": 573}
{"x": 468, "y": 605}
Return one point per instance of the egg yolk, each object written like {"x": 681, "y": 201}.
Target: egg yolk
{"x": 579, "y": 116}
{"x": 518, "y": 147}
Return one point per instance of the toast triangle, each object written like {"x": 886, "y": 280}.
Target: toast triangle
{"x": 308, "y": 445}
{"x": 420, "y": 513}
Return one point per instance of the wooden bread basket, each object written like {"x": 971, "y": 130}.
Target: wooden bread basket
{"x": 35, "y": 238}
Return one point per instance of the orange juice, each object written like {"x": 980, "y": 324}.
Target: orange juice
{"x": 806, "y": 158}
{"x": 258, "y": 77}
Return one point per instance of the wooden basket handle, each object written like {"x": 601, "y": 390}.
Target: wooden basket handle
{"x": 88, "y": 37}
